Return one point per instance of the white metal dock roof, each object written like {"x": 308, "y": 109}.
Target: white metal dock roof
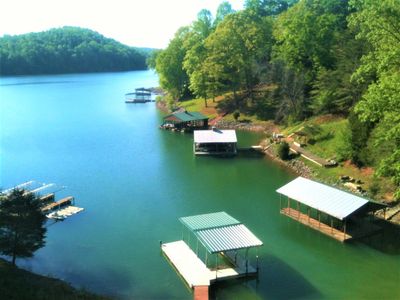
{"x": 227, "y": 238}
{"x": 220, "y": 232}
{"x": 329, "y": 200}
{"x": 215, "y": 136}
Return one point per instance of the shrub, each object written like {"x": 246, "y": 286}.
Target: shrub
{"x": 236, "y": 115}
{"x": 283, "y": 151}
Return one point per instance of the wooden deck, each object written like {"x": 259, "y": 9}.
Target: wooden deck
{"x": 64, "y": 201}
{"x": 315, "y": 224}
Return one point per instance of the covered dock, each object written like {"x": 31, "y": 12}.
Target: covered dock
{"x": 215, "y": 142}
{"x": 141, "y": 95}
{"x": 184, "y": 120}
{"x": 327, "y": 209}
{"x": 226, "y": 243}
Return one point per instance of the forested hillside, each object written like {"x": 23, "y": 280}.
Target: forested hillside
{"x": 288, "y": 60}
{"x": 66, "y": 50}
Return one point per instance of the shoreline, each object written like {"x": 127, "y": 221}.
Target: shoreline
{"x": 295, "y": 166}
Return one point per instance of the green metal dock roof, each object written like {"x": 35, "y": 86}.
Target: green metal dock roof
{"x": 186, "y": 116}
{"x": 207, "y": 221}
{"x": 220, "y": 232}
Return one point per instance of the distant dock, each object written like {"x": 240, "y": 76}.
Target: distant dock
{"x": 56, "y": 210}
{"x": 141, "y": 95}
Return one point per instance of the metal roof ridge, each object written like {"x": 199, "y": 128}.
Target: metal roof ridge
{"x": 216, "y": 227}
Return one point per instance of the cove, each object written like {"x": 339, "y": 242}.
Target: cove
{"x": 135, "y": 181}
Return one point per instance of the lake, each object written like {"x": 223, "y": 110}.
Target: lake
{"x": 135, "y": 180}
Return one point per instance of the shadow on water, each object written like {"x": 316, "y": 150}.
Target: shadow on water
{"x": 250, "y": 153}
{"x": 108, "y": 282}
{"x": 279, "y": 281}
{"x": 386, "y": 241}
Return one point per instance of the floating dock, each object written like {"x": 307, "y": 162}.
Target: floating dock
{"x": 195, "y": 272}
{"x": 57, "y": 210}
{"x": 186, "y": 262}
{"x": 221, "y": 235}
{"x": 65, "y": 212}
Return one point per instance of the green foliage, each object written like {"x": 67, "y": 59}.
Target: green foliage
{"x": 360, "y": 132}
{"x": 283, "y": 151}
{"x": 269, "y": 7}
{"x": 223, "y": 10}
{"x": 22, "y": 230}
{"x": 196, "y": 54}
{"x": 289, "y": 99}
{"x": 169, "y": 66}
{"x": 378, "y": 22}
{"x": 236, "y": 115}
{"x": 343, "y": 146}
{"x": 307, "y": 32}
{"x": 241, "y": 40}
{"x": 66, "y": 50}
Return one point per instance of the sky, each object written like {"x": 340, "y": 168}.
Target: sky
{"x": 139, "y": 23}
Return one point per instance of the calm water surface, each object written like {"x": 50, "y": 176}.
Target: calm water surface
{"x": 135, "y": 181}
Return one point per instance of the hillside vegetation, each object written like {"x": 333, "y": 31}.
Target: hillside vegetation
{"x": 67, "y": 50}
{"x": 289, "y": 61}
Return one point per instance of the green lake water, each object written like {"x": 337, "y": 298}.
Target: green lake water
{"x": 135, "y": 180}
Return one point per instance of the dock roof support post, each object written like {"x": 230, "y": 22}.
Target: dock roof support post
{"x": 331, "y": 225}
{"x": 344, "y": 229}
{"x": 257, "y": 259}
{"x": 319, "y": 219}
{"x": 216, "y": 266}
{"x": 298, "y": 210}
{"x": 280, "y": 201}
{"x": 289, "y": 204}
{"x": 308, "y": 214}
{"x": 247, "y": 260}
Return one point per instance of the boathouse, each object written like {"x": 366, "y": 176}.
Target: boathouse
{"x": 184, "y": 120}
{"x": 334, "y": 212}
{"x": 215, "y": 142}
{"x": 225, "y": 243}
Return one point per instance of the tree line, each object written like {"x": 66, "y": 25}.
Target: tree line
{"x": 66, "y": 50}
{"x": 289, "y": 60}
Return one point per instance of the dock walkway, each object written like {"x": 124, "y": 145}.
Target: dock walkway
{"x": 191, "y": 268}
{"x": 310, "y": 156}
{"x": 196, "y": 273}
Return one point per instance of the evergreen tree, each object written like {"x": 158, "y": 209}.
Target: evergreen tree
{"x": 22, "y": 229}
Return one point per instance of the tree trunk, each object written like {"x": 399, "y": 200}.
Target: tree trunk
{"x": 13, "y": 259}
{"x": 205, "y": 102}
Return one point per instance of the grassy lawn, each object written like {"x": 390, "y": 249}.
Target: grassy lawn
{"x": 327, "y": 141}
{"x": 19, "y": 284}
{"x": 199, "y": 105}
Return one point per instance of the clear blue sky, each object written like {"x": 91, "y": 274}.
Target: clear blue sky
{"x": 141, "y": 23}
